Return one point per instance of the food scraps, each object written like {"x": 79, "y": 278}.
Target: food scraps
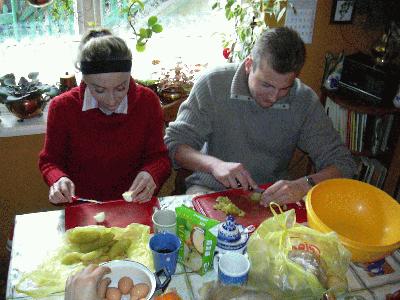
{"x": 227, "y": 206}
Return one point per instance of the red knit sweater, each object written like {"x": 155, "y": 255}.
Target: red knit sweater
{"x": 103, "y": 154}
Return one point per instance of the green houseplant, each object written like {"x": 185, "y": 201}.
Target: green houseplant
{"x": 28, "y": 97}
{"x": 250, "y": 18}
{"x": 142, "y": 34}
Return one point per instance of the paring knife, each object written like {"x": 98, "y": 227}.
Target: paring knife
{"x": 251, "y": 189}
{"x": 75, "y": 198}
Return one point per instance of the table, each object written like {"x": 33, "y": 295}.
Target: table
{"x": 38, "y": 233}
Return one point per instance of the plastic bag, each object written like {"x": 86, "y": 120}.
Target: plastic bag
{"x": 292, "y": 261}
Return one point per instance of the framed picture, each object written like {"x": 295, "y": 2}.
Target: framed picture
{"x": 342, "y": 11}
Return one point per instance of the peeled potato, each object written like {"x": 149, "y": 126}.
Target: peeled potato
{"x": 100, "y": 217}
{"x": 127, "y": 196}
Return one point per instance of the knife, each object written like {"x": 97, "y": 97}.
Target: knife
{"x": 75, "y": 198}
{"x": 256, "y": 190}
{"x": 251, "y": 189}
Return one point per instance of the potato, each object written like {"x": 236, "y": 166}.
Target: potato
{"x": 71, "y": 258}
{"x": 80, "y": 235}
{"x": 104, "y": 240}
{"x": 91, "y": 255}
{"x": 119, "y": 248}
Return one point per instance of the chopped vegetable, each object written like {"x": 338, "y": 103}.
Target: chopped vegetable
{"x": 127, "y": 196}
{"x": 256, "y": 197}
{"x": 100, "y": 217}
{"x": 225, "y": 204}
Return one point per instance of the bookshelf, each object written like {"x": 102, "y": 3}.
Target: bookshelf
{"x": 372, "y": 135}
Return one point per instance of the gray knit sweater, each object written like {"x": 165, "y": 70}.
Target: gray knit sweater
{"x": 221, "y": 118}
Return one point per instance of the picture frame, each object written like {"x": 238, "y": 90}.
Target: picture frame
{"x": 342, "y": 11}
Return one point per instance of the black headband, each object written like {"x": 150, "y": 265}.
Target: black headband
{"x": 108, "y": 66}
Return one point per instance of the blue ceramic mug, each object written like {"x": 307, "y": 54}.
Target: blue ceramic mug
{"x": 165, "y": 247}
{"x": 233, "y": 268}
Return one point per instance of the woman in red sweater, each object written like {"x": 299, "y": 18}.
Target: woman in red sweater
{"x": 105, "y": 136}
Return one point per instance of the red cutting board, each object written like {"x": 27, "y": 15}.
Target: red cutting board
{"x": 119, "y": 213}
{"x": 255, "y": 213}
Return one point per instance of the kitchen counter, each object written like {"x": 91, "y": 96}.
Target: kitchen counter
{"x": 37, "y": 234}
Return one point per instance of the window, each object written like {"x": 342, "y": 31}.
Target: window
{"x": 46, "y": 39}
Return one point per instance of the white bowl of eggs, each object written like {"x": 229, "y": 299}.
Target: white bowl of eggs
{"x": 131, "y": 280}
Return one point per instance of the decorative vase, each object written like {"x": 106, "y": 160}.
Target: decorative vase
{"x": 171, "y": 93}
{"x": 28, "y": 107}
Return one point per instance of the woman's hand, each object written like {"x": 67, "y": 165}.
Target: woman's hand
{"x": 87, "y": 284}
{"x": 142, "y": 187}
{"x": 61, "y": 191}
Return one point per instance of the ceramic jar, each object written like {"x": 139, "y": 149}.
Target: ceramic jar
{"x": 232, "y": 237}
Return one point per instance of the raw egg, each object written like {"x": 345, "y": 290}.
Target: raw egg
{"x": 139, "y": 291}
{"x": 125, "y": 285}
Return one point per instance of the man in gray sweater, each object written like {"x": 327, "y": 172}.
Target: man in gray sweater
{"x": 242, "y": 123}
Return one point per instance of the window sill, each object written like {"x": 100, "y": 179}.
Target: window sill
{"x": 11, "y": 126}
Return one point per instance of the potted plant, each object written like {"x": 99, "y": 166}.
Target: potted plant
{"x": 28, "y": 98}
{"x": 176, "y": 83}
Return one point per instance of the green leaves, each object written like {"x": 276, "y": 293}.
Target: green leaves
{"x": 157, "y": 28}
{"x": 10, "y": 91}
{"x": 247, "y": 17}
{"x": 142, "y": 34}
{"x": 152, "y": 21}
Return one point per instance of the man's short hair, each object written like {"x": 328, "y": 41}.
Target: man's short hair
{"x": 282, "y": 48}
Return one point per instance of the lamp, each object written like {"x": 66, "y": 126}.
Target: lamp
{"x": 40, "y": 3}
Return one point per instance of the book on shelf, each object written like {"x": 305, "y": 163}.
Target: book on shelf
{"x": 360, "y": 131}
{"x": 388, "y": 123}
{"x": 377, "y": 134}
{"x": 370, "y": 170}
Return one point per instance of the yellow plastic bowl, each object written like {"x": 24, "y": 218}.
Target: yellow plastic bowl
{"x": 366, "y": 219}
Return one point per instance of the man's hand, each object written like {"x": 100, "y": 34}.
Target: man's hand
{"x": 61, "y": 191}
{"x": 232, "y": 175}
{"x": 285, "y": 192}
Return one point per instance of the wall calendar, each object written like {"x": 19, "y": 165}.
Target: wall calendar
{"x": 300, "y": 16}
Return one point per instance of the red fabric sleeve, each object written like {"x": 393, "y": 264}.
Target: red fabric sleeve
{"x": 156, "y": 160}
{"x": 52, "y": 157}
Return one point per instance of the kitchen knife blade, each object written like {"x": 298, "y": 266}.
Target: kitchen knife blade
{"x": 75, "y": 198}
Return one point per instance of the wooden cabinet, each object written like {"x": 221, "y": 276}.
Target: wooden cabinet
{"x": 371, "y": 133}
